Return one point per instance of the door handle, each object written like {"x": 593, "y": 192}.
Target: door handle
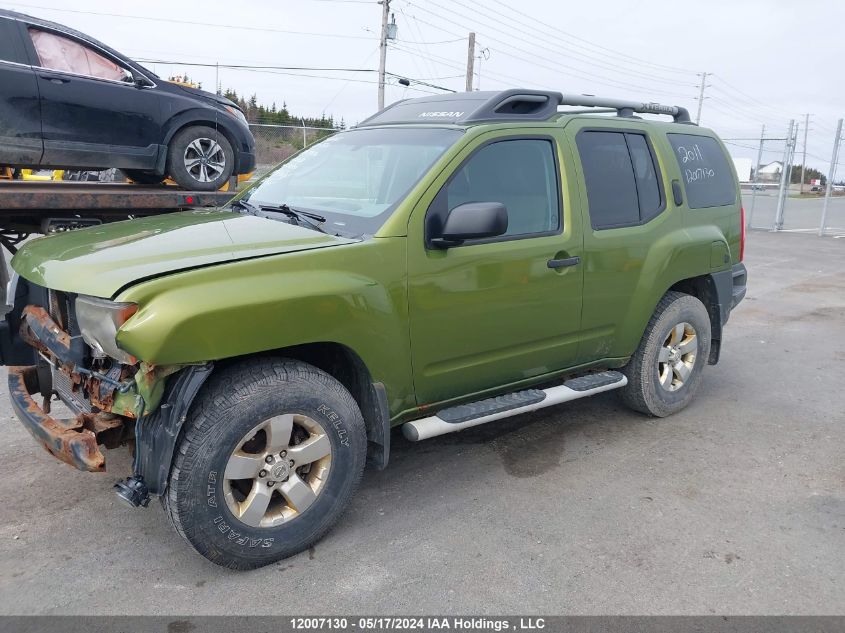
{"x": 563, "y": 263}
{"x": 676, "y": 193}
{"x": 55, "y": 80}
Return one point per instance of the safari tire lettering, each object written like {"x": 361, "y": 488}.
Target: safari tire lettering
{"x": 230, "y": 406}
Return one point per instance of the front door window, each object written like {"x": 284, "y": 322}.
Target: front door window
{"x": 66, "y": 55}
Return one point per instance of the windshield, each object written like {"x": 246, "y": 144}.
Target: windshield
{"x": 355, "y": 178}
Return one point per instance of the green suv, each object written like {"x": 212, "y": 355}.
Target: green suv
{"x": 450, "y": 261}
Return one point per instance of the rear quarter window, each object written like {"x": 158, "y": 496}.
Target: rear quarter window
{"x": 708, "y": 177}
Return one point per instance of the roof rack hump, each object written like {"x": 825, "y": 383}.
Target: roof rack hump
{"x": 507, "y": 105}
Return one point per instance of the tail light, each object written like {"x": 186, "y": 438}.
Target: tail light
{"x": 742, "y": 234}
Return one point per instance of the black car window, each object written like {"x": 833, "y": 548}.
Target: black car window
{"x": 609, "y": 176}
{"x": 519, "y": 173}
{"x": 64, "y": 54}
{"x": 621, "y": 176}
{"x": 708, "y": 176}
{"x": 645, "y": 173}
{"x": 10, "y": 50}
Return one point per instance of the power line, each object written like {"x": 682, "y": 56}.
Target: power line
{"x": 504, "y": 79}
{"x": 621, "y": 55}
{"x": 533, "y": 59}
{"x": 506, "y": 46}
{"x": 195, "y": 23}
{"x": 753, "y": 101}
{"x": 425, "y": 63}
{"x": 257, "y": 67}
{"x": 568, "y": 52}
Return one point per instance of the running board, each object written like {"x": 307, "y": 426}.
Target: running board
{"x": 466, "y": 415}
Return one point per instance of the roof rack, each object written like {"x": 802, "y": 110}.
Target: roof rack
{"x": 626, "y": 108}
{"x": 509, "y": 105}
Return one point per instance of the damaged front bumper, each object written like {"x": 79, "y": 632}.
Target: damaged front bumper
{"x": 106, "y": 401}
{"x": 73, "y": 441}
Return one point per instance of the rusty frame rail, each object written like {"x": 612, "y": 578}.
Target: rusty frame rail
{"x": 40, "y": 331}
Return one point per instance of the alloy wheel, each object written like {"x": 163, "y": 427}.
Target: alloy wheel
{"x": 277, "y": 470}
{"x": 677, "y": 355}
{"x": 205, "y": 160}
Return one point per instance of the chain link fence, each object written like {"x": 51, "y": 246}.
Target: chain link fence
{"x": 275, "y": 143}
{"x": 773, "y": 203}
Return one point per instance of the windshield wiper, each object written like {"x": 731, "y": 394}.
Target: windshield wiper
{"x": 271, "y": 211}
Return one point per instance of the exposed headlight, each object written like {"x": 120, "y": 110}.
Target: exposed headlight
{"x": 236, "y": 112}
{"x": 99, "y": 320}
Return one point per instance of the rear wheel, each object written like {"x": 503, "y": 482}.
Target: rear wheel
{"x": 272, "y": 452}
{"x": 665, "y": 371}
{"x": 200, "y": 158}
{"x": 143, "y": 177}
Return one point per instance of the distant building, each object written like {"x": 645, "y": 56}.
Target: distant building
{"x": 770, "y": 172}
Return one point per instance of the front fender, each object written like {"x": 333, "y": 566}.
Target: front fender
{"x": 238, "y": 133}
{"x": 354, "y": 295}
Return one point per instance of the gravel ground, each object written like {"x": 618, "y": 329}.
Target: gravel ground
{"x": 733, "y": 506}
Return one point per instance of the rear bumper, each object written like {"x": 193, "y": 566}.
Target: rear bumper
{"x": 74, "y": 441}
{"x": 739, "y": 275}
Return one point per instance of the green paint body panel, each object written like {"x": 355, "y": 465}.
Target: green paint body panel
{"x": 101, "y": 260}
{"x": 435, "y": 326}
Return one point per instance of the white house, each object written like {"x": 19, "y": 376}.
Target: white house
{"x": 770, "y": 172}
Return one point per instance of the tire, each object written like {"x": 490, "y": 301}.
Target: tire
{"x": 143, "y": 177}
{"x": 185, "y": 156}
{"x": 212, "y": 507}
{"x": 662, "y": 388}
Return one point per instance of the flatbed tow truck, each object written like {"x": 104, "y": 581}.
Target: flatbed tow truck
{"x": 29, "y": 207}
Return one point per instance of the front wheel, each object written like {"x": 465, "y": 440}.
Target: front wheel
{"x": 200, "y": 158}
{"x": 272, "y": 453}
{"x": 665, "y": 371}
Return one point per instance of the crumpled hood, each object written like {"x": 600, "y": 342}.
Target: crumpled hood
{"x": 101, "y": 260}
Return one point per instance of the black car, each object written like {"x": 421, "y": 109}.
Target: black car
{"x": 68, "y": 101}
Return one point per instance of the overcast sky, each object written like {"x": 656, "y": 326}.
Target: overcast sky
{"x": 772, "y": 60}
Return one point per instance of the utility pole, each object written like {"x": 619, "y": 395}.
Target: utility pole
{"x": 804, "y": 159}
{"x": 701, "y": 96}
{"x": 382, "y": 60}
{"x": 831, "y": 174}
{"x": 756, "y": 176}
{"x": 470, "y": 61}
{"x": 784, "y": 176}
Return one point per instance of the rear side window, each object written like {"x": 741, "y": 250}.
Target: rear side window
{"x": 623, "y": 184}
{"x": 10, "y": 51}
{"x": 708, "y": 177}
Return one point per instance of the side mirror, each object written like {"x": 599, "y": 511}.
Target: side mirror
{"x": 141, "y": 82}
{"x": 470, "y": 221}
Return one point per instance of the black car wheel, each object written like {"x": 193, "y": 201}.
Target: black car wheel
{"x": 200, "y": 158}
{"x": 271, "y": 455}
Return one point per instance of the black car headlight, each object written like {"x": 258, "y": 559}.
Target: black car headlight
{"x": 236, "y": 112}
{"x": 99, "y": 320}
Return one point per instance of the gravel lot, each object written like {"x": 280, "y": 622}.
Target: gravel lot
{"x": 734, "y": 506}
